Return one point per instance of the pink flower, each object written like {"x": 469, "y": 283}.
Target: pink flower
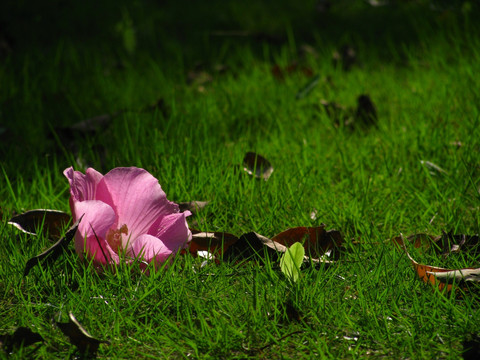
{"x": 127, "y": 213}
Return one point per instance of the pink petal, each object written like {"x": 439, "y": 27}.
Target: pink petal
{"x": 137, "y": 198}
{"x": 172, "y": 230}
{"x": 100, "y": 251}
{"x": 83, "y": 186}
{"x": 91, "y": 234}
{"x": 148, "y": 248}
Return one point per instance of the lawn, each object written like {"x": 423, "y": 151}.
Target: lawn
{"x": 185, "y": 91}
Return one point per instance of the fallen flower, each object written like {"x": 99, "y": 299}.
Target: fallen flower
{"x": 126, "y": 215}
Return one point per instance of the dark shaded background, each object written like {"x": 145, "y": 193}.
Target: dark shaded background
{"x": 179, "y": 35}
{"x": 27, "y": 24}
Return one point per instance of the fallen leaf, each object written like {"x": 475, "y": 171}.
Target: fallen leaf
{"x": 159, "y": 105}
{"x": 377, "y": 3}
{"x": 22, "y": 336}
{"x": 86, "y": 128}
{"x": 441, "y": 278}
{"x": 292, "y": 260}
{"x": 434, "y": 169}
{"x": 291, "y": 312}
{"x": 307, "y": 89}
{"x": 340, "y": 115}
{"x": 51, "y": 222}
{"x": 257, "y": 166}
{"x": 469, "y": 274}
{"x": 307, "y": 51}
{"x": 257, "y": 36}
{"x": 346, "y": 57}
{"x": 192, "y": 206}
{"x": 6, "y": 43}
{"x": 280, "y": 73}
{"x": 80, "y": 337}
{"x": 316, "y": 240}
{"x": 52, "y": 253}
{"x": 93, "y": 124}
{"x": 445, "y": 244}
{"x": 199, "y": 76}
{"x": 323, "y": 6}
{"x": 460, "y": 242}
{"x": 366, "y": 113}
{"x": 427, "y": 274}
{"x": 471, "y": 347}
{"x": 215, "y": 243}
{"x": 420, "y": 241}
{"x": 253, "y": 245}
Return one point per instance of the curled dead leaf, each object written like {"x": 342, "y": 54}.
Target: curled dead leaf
{"x": 441, "y": 278}
{"x": 346, "y": 57}
{"x": 434, "y": 169}
{"x": 52, "y": 253}
{"x": 366, "y": 113}
{"x": 80, "y": 337}
{"x": 51, "y": 222}
{"x": 316, "y": 240}
{"x": 420, "y": 241}
{"x": 308, "y": 87}
{"x": 257, "y": 166}
{"x": 22, "y": 336}
{"x": 215, "y": 243}
{"x": 192, "y": 206}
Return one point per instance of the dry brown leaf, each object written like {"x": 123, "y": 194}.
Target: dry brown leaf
{"x": 192, "y": 206}
{"x": 80, "y": 337}
{"x": 257, "y": 166}
{"x": 22, "y": 336}
{"x": 421, "y": 240}
{"x": 50, "y": 221}
{"x": 346, "y": 57}
{"x": 52, "y": 253}
{"x": 366, "y": 113}
{"x": 316, "y": 240}
{"x": 215, "y": 243}
{"x": 441, "y": 278}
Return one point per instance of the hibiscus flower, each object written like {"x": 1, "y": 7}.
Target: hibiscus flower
{"x": 126, "y": 215}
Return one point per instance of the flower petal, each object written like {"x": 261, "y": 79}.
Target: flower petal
{"x": 149, "y": 248}
{"x": 83, "y": 186}
{"x": 172, "y": 230}
{"x": 91, "y": 234}
{"x": 136, "y": 197}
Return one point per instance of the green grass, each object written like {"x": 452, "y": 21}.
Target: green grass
{"x": 421, "y": 73}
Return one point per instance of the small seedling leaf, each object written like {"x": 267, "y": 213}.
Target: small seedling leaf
{"x": 292, "y": 260}
{"x": 257, "y": 166}
{"x": 80, "y": 337}
{"x": 52, "y": 253}
{"x": 22, "y": 336}
{"x": 30, "y": 222}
